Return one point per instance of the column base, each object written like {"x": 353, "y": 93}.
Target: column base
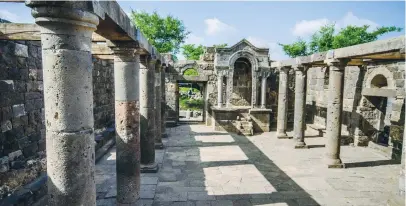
{"x": 159, "y": 145}
{"x": 283, "y": 136}
{"x": 301, "y": 145}
{"x": 335, "y": 163}
{"x": 150, "y": 168}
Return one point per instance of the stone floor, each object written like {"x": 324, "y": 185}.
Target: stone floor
{"x": 202, "y": 167}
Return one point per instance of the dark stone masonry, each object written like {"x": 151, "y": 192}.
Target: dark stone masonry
{"x": 22, "y": 136}
{"x": 84, "y": 78}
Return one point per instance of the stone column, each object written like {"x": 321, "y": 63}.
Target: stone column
{"x": 282, "y": 103}
{"x": 66, "y": 37}
{"x": 219, "y": 90}
{"x": 163, "y": 103}
{"x": 127, "y": 117}
{"x": 334, "y": 112}
{"x": 147, "y": 115}
{"x": 300, "y": 104}
{"x": 263, "y": 90}
{"x": 158, "y": 117}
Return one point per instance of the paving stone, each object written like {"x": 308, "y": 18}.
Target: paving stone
{"x": 255, "y": 170}
{"x": 199, "y": 196}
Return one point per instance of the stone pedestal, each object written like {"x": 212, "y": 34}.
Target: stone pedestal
{"x": 282, "y": 103}
{"x": 300, "y": 104}
{"x": 334, "y": 112}
{"x": 127, "y": 116}
{"x": 66, "y": 37}
{"x": 147, "y": 115}
{"x": 158, "y": 117}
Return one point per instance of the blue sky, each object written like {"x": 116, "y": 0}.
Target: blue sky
{"x": 265, "y": 24}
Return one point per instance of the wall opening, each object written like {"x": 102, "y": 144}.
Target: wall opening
{"x": 191, "y": 102}
{"x": 242, "y": 83}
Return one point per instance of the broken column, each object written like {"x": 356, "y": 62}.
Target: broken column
{"x": 127, "y": 116}
{"x": 334, "y": 112}
{"x": 147, "y": 114}
{"x": 263, "y": 89}
{"x": 219, "y": 90}
{"x": 66, "y": 37}
{"x": 163, "y": 102}
{"x": 300, "y": 103}
{"x": 158, "y": 117}
{"x": 282, "y": 103}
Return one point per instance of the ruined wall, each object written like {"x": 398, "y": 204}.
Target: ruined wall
{"x": 22, "y": 136}
{"x": 360, "y": 113}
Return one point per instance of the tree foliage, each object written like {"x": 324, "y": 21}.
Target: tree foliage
{"x": 191, "y": 72}
{"x": 298, "y": 48}
{"x": 193, "y": 52}
{"x": 326, "y": 39}
{"x": 165, "y": 33}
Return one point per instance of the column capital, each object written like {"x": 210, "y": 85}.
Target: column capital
{"x": 339, "y": 64}
{"x": 301, "y": 67}
{"x": 70, "y": 12}
{"x": 125, "y": 51}
{"x": 283, "y": 69}
{"x": 264, "y": 74}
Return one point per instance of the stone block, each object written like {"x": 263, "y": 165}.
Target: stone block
{"x": 6, "y": 126}
{"x": 30, "y": 150}
{"x": 4, "y": 164}
{"x": 21, "y": 50}
{"x": 6, "y": 86}
{"x": 32, "y": 95}
{"x": 18, "y": 110}
{"x": 16, "y": 155}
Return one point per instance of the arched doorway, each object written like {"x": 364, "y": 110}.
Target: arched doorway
{"x": 242, "y": 83}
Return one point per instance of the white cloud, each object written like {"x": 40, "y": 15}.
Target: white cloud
{"x": 258, "y": 42}
{"x": 275, "y": 51}
{"x": 4, "y": 14}
{"x": 351, "y": 19}
{"x": 307, "y": 27}
{"x": 193, "y": 39}
{"x": 214, "y": 26}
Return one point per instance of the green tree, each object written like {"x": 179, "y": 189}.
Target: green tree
{"x": 325, "y": 39}
{"x": 192, "y": 51}
{"x": 352, "y": 35}
{"x": 322, "y": 40}
{"x": 298, "y": 48}
{"x": 165, "y": 33}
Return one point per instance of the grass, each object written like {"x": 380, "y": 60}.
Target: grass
{"x": 190, "y": 104}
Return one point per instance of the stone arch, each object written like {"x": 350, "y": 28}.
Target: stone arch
{"x": 190, "y": 72}
{"x": 380, "y": 77}
{"x": 250, "y": 56}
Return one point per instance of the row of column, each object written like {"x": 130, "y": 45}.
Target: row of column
{"x": 334, "y": 109}
{"x": 66, "y": 35}
{"x": 220, "y": 100}
{"x": 334, "y": 114}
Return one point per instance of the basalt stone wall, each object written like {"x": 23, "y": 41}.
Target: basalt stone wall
{"x": 22, "y": 137}
{"x": 361, "y": 113}
{"x": 22, "y": 134}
